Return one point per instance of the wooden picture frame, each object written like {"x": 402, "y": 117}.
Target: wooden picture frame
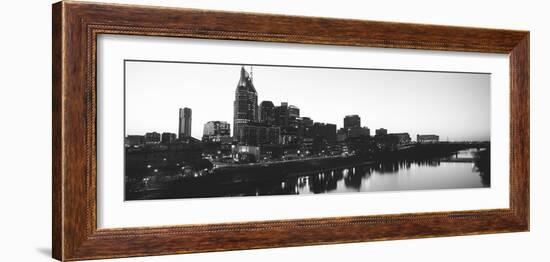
{"x": 76, "y": 26}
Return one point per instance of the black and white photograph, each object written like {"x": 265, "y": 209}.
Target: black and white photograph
{"x": 275, "y": 131}
{"x": 205, "y": 129}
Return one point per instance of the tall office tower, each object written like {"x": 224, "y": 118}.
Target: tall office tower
{"x": 304, "y": 127}
{"x": 293, "y": 111}
{"x": 293, "y": 115}
{"x": 245, "y": 107}
{"x": 267, "y": 113}
{"x": 281, "y": 114}
{"x": 352, "y": 121}
{"x": 306, "y": 121}
{"x": 185, "y": 123}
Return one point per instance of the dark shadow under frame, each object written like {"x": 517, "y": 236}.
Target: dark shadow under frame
{"x": 75, "y": 28}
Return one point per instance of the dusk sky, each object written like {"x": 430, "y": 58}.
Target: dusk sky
{"x": 455, "y": 106}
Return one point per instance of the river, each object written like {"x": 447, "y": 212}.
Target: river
{"x": 457, "y": 171}
{"x": 453, "y": 172}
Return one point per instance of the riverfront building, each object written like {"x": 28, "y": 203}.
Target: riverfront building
{"x": 133, "y": 140}
{"x": 402, "y": 138}
{"x": 358, "y": 132}
{"x": 427, "y": 139}
{"x": 215, "y": 131}
{"x": 168, "y": 138}
{"x": 152, "y": 138}
{"x": 381, "y": 132}
{"x": 325, "y": 131}
{"x": 161, "y": 159}
{"x": 256, "y": 134}
{"x": 244, "y": 153}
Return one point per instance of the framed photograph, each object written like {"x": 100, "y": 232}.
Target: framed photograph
{"x": 182, "y": 130}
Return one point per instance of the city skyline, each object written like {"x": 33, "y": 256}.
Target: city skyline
{"x": 399, "y": 101}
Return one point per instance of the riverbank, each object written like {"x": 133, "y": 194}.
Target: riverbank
{"x": 243, "y": 179}
{"x": 273, "y": 178}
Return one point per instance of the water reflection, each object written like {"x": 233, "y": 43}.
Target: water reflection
{"x": 482, "y": 161}
{"x": 468, "y": 169}
{"x": 397, "y": 175}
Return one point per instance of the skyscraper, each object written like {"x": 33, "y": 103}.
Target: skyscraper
{"x": 267, "y": 113}
{"x": 281, "y": 115}
{"x": 304, "y": 128}
{"x": 293, "y": 111}
{"x": 287, "y": 117}
{"x": 245, "y": 107}
{"x": 352, "y": 121}
{"x": 293, "y": 115}
{"x": 184, "y": 123}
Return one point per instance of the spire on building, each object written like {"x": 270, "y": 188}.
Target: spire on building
{"x": 245, "y": 82}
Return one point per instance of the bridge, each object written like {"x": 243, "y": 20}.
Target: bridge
{"x": 443, "y": 145}
{"x": 429, "y": 150}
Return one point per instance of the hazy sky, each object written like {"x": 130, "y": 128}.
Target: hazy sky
{"x": 452, "y": 105}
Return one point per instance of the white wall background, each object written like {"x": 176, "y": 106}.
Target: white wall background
{"x": 25, "y": 106}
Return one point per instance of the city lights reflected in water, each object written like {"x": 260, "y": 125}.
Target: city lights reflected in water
{"x": 459, "y": 170}
{"x": 391, "y": 176}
